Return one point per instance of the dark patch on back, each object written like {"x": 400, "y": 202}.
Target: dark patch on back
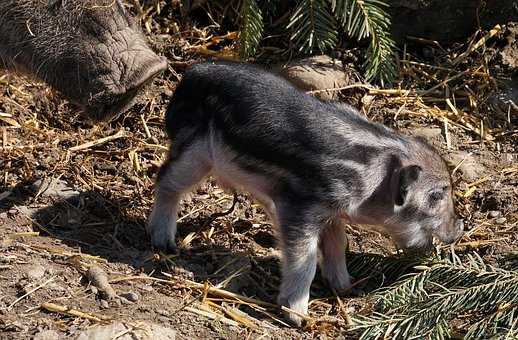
{"x": 363, "y": 154}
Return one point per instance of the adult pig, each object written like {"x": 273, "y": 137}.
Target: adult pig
{"x": 91, "y": 51}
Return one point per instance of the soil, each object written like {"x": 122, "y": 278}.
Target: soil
{"x": 96, "y": 215}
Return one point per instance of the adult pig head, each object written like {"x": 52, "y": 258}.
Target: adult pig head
{"x": 91, "y": 51}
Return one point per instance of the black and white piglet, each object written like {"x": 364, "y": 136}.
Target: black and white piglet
{"x": 313, "y": 165}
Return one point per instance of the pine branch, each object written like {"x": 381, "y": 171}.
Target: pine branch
{"x": 251, "y": 28}
{"x": 367, "y": 18}
{"x": 313, "y": 27}
{"x": 422, "y": 305}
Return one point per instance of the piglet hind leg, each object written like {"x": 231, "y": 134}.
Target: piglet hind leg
{"x": 333, "y": 242}
{"x": 299, "y": 239}
{"x": 177, "y": 176}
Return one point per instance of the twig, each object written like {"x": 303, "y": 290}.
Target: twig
{"x": 211, "y": 290}
{"x": 476, "y": 46}
{"x": 99, "y": 141}
{"x": 213, "y": 316}
{"x": 146, "y": 128}
{"x": 234, "y": 315}
{"x": 445, "y": 81}
{"x": 29, "y": 293}
{"x": 52, "y": 307}
{"x": 460, "y": 163}
{"x": 345, "y": 313}
{"x": 332, "y": 89}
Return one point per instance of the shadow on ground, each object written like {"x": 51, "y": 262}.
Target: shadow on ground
{"x": 99, "y": 226}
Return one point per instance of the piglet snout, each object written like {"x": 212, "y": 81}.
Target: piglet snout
{"x": 456, "y": 232}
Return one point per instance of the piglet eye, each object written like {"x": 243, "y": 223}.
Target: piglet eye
{"x": 436, "y": 196}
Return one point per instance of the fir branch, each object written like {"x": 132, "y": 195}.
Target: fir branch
{"x": 367, "y": 18}
{"x": 313, "y": 27}
{"x": 423, "y": 304}
{"x": 251, "y": 28}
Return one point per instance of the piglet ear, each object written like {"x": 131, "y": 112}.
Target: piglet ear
{"x": 405, "y": 177}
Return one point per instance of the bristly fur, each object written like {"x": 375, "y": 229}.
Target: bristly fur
{"x": 312, "y": 164}
{"x": 91, "y": 51}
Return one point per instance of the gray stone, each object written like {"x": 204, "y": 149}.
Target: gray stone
{"x": 471, "y": 168}
{"x": 501, "y": 220}
{"x": 48, "y": 334}
{"x": 432, "y": 135}
{"x": 494, "y": 213}
{"x": 142, "y": 332}
{"x": 131, "y": 296}
{"x": 104, "y": 304}
{"x": 52, "y": 187}
{"x": 35, "y": 272}
{"x": 318, "y": 73}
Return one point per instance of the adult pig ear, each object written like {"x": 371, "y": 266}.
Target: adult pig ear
{"x": 405, "y": 177}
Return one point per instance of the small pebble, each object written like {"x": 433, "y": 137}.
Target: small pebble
{"x": 35, "y": 272}
{"x": 131, "y": 296}
{"x": 500, "y": 220}
{"x": 147, "y": 288}
{"x": 105, "y": 304}
{"x": 163, "y": 312}
{"x": 124, "y": 301}
{"x": 94, "y": 290}
{"x": 494, "y": 213}
{"x": 46, "y": 335}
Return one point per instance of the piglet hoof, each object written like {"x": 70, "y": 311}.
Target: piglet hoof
{"x": 295, "y": 319}
{"x": 162, "y": 241}
{"x": 339, "y": 281}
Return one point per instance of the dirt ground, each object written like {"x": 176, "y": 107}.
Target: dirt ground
{"x": 95, "y": 208}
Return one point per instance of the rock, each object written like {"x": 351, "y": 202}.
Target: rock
{"x": 501, "y": 220}
{"x": 104, "y": 304}
{"x": 51, "y": 187}
{"x": 318, "y": 73}
{"x": 146, "y": 288}
{"x": 432, "y": 135}
{"x": 471, "y": 168}
{"x": 35, "y": 272}
{"x": 127, "y": 332}
{"x": 124, "y": 301}
{"x": 494, "y": 213}
{"x": 24, "y": 210}
{"x": 131, "y": 296}
{"x": 48, "y": 334}
{"x": 509, "y": 54}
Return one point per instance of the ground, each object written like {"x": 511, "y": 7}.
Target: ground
{"x": 94, "y": 211}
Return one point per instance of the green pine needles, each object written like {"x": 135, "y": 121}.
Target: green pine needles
{"x": 314, "y": 27}
{"x": 480, "y": 298}
{"x": 251, "y": 28}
